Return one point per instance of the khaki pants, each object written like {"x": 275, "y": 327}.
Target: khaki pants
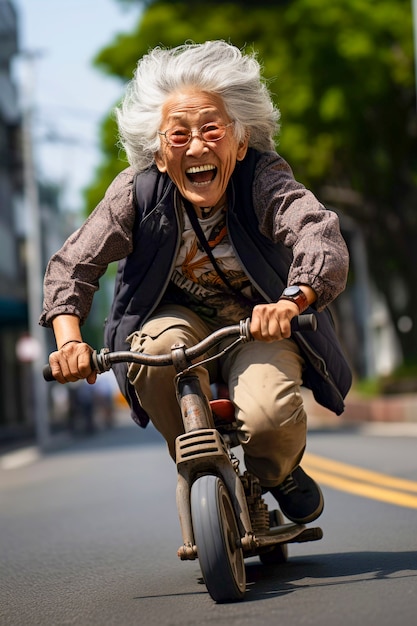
{"x": 264, "y": 385}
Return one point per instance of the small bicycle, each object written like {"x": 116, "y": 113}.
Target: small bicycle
{"x": 223, "y": 516}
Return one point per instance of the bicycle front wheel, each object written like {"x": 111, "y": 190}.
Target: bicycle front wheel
{"x": 216, "y": 536}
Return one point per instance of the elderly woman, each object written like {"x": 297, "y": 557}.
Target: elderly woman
{"x": 209, "y": 227}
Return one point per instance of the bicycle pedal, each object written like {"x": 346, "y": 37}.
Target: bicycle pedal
{"x": 309, "y": 534}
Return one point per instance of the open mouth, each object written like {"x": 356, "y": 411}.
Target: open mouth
{"x": 201, "y": 174}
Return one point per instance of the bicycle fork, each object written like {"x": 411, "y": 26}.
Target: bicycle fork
{"x": 202, "y": 450}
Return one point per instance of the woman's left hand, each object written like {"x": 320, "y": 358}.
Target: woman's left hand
{"x": 272, "y": 322}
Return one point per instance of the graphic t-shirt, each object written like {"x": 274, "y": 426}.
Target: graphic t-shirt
{"x": 196, "y": 284}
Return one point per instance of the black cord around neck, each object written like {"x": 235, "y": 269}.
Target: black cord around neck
{"x": 206, "y": 246}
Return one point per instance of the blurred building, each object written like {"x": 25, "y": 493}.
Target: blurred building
{"x": 16, "y": 398}
{"x": 13, "y": 305}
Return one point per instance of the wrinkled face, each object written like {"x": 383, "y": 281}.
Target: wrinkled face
{"x": 201, "y": 170}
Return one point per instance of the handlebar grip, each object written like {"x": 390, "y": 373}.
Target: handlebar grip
{"x": 304, "y": 323}
{"x": 47, "y": 373}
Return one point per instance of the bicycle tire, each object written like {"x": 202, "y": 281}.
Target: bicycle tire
{"x": 216, "y": 535}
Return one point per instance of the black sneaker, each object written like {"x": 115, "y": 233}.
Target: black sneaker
{"x": 299, "y": 497}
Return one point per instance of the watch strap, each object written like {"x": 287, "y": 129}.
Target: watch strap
{"x": 300, "y": 299}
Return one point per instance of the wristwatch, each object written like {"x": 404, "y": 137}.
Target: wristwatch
{"x": 297, "y": 295}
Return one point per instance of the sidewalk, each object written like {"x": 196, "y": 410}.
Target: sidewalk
{"x": 396, "y": 408}
{"x": 20, "y": 454}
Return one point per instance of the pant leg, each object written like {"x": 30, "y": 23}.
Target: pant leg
{"x": 264, "y": 383}
{"x": 155, "y": 386}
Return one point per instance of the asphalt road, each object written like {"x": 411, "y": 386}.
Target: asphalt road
{"x": 89, "y": 536}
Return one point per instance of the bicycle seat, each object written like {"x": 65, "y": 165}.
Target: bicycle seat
{"x": 223, "y": 409}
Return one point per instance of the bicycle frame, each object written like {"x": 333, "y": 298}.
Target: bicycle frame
{"x": 201, "y": 449}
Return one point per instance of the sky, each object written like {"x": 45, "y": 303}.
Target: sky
{"x": 68, "y": 96}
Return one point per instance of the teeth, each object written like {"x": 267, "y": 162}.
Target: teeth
{"x": 200, "y": 168}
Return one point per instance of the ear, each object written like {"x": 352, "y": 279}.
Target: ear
{"x": 242, "y": 149}
{"x": 160, "y": 162}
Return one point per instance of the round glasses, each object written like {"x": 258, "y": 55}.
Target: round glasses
{"x": 179, "y": 136}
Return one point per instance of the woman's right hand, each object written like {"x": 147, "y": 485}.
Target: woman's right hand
{"x": 72, "y": 362}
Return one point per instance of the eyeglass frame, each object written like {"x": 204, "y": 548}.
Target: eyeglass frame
{"x": 195, "y": 134}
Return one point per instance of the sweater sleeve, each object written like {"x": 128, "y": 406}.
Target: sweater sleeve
{"x": 291, "y": 214}
{"x": 73, "y": 272}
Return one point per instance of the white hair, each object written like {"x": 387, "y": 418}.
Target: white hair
{"x": 215, "y": 67}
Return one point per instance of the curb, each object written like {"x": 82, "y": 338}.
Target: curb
{"x": 19, "y": 458}
{"x": 401, "y": 408}
{"x": 398, "y": 408}
{"x": 29, "y": 452}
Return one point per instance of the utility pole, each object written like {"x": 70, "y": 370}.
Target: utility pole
{"x": 34, "y": 257}
{"x": 414, "y": 7}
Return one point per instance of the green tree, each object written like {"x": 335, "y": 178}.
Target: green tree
{"x": 342, "y": 74}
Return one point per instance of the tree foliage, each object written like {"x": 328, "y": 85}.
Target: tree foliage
{"x": 342, "y": 74}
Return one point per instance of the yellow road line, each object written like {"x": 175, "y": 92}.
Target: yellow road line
{"x": 361, "y": 482}
{"x": 360, "y": 473}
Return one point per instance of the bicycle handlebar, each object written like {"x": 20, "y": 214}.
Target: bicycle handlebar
{"x": 102, "y": 361}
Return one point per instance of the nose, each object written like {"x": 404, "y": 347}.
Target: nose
{"x": 196, "y": 147}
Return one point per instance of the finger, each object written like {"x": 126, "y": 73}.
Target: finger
{"x": 285, "y": 327}
{"x": 56, "y": 369}
{"x": 264, "y": 325}
{"x": 273, "y": 329}
{"x": 256, "y": 323}
{"x": 62, "y": 373}
{"x": 75, "y": 361}
{"x": 91, "y": 379}
{"x": 84, "y": 361}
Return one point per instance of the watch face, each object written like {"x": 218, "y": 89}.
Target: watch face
{"x": 291, "y": 291}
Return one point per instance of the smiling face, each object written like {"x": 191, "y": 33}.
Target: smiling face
{"x": 201, "y": 170}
